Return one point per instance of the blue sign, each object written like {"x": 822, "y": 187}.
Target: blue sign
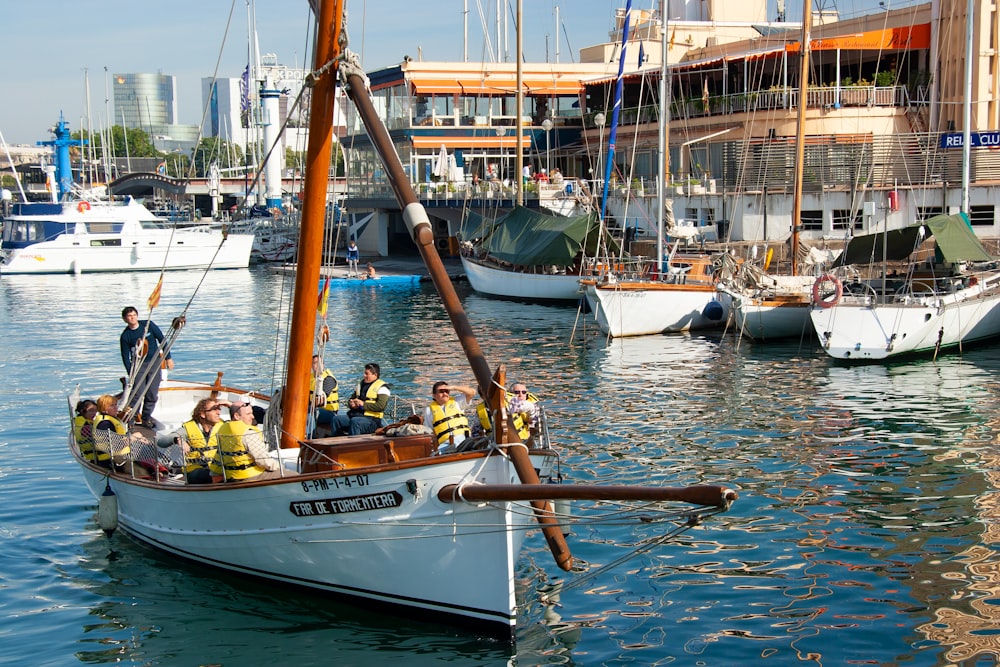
{"x": 978, "y": 139}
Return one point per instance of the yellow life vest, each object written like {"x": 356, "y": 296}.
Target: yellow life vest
{"x": 200, "y": 451}
{"x": 487, "y": 423}
{"x": 333, "y": 398}
{"x": 371, "y": 395}
{"x": 83, "y": 433}
{"x": 232, "y": 459}
{"x": 103, "y": 441}
{"x": 448, "y": 419}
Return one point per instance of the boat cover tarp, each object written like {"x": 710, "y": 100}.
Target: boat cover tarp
{"x": 953, "y": 235}
{"x": 527, "y": 237}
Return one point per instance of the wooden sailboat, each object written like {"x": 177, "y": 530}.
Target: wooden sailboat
{"x": 769, "y": 306}
{"x": 678, "y": 294}
{"x": 377, "y": 518}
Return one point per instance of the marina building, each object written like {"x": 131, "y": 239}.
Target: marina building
{"x": 883, "y": 124}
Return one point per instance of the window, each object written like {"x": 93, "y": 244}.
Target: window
{"x": 928, "y": 212}
{"x": 981, "y": 216}
{"x": 812, "y": 221}
{"x": 842, "y": 220}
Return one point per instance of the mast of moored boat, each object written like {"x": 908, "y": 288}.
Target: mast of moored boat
{"x": 663, "y": 168}
{"x": 519, "y": 102}
{"x": 295, "y": 397}
{"x": 800, "y": 133}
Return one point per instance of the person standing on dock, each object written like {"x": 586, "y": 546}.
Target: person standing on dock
{"x": 353, "y": 256}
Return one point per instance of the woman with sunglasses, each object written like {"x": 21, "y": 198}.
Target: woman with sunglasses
{"x": 197, "y": 439}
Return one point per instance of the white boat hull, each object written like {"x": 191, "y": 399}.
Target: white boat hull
{"x": 511, "y": 284}
{"x": 857, "y": 330}
{"x": 112, "y": 237}
{"x": 647, "y": 308}
{"x": 380, "y": 534}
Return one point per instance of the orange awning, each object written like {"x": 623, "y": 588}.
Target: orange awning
{"x": 490, "y": 141}
{"x": 493, "y": 84}
{"x": 909, "y": 37}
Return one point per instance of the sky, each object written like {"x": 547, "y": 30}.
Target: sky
{"x": 52, "y": 48}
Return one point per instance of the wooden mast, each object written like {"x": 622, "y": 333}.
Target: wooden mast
{"x": 422, "y": 234}
{"x": 800, "y": 125}
{"x": 295, "y": 397}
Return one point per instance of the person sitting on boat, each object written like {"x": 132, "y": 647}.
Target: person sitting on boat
{"x": 446, "y": 414}
{"x": 140, "y": 343}
{"x": 112, "y": 440}
{"x": 326, "y": 399}
{"x": 198, "y": 439}
{"x": 353, "y": 256}
{"x": 556, "y": 176}
{"x": 242, "y": 452}
{"x": 522, "y": 405}
{"x": 83, "y": 428}
{"x": 542, "y": 176}
{"x": 366, "y": 407}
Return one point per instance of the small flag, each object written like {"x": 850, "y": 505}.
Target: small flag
{"x": 673, "y": 36}
{"x": 154, "y": 298}
{"x": 324, "y": 296}
{"x": 642, "y": 55}
{"x": 704, "y": 96}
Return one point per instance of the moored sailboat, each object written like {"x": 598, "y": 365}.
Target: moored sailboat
{"x": 379, "y": 518}
{"x": 937, "y": 301}
{"x": 678, "y": 294}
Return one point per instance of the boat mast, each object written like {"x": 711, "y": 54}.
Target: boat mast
{"x": 800, "y": 125}
{"x": 519, "y": 102}
{"x": 663, "y": 166}
{"x": 967, "y": 107}
{"x": 295, "y": 397}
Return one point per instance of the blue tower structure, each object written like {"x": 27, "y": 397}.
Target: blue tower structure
{"x": 62, "y": 142}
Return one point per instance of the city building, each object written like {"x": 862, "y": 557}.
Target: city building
{"x": 149, "y": 102}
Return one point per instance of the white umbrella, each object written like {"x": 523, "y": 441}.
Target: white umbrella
{"x": 441, "y": 169}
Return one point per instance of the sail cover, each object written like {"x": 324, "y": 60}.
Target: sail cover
{"x": 527, "y": 237}
{"x": 955, "y": 240}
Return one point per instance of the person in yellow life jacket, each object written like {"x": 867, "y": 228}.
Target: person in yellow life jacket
{"x": 326, "y": 399}
{"x": 521, "y": 404}
{"x": 198, "y": 439}
{"x": 242, "y": 452}
{"x": 112, "y": 440}
{"x": 83, "y": 429}
{"x": 366, "y": 407}
{"x": 446, "y": 414}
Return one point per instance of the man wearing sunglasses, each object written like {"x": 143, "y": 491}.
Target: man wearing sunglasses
{"x": 446, "y": 414}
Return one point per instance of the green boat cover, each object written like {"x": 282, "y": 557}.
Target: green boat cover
{"x": 956, "y": 242}
{"x": 527, "y": 237}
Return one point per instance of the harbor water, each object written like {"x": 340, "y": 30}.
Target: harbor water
{"x": 865, "y": 532}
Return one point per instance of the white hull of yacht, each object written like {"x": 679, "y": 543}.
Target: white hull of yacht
{"x": 379, "y": 533}
{"x": 512, "y": 284}
{"x": 78, "y": 238}
{"x": 857, "y": 329}
{"x": 782, "y": 311}
{"x": 647, "y": 308}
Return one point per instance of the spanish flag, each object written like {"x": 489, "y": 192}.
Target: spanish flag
{"x": 324, "y": 296}
{"x": 154, "y": 298}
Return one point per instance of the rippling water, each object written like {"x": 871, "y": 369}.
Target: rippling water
{"x": 865, "y": 533}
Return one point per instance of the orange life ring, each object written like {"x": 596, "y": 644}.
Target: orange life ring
{"x": 838, "y": 288}
{"x": 83, "y": 206}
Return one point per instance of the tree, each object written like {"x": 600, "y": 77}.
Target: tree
{"x": 124, "y": 143}
{"x": 213, "y": 149}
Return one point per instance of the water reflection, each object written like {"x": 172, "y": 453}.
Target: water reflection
{"x": 866, "y": 527}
